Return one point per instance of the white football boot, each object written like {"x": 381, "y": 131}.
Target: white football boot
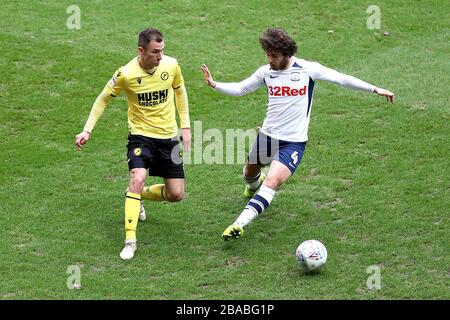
{"x": 128, "y": 251}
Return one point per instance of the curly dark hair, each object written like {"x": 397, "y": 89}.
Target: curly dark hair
{"x": 277, "y": 40}
{"x": 148, "y": 35}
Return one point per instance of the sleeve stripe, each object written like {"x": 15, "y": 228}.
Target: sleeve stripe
{"x": 310, "y": 94}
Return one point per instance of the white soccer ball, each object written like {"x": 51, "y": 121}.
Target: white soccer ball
{"x": 311, "y": 254}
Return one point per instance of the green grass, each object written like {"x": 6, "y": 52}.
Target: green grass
{"x": 373, "y": 185}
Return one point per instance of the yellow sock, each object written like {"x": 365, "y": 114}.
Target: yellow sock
{"x": 154, "y": 193}
{"x": 132, "y": 208}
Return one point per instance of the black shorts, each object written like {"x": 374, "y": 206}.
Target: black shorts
{"x": 161, "y": 157}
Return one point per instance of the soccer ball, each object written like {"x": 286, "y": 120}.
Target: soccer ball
{"x": 311, "y": 255}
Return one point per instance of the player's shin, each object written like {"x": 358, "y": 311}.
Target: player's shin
{"x": 253, "y": 182}
{"x": 154, "y": 192}
{"x": 132, "y": 208}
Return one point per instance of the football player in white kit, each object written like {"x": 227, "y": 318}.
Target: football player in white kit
{"x": 284, "y": 134}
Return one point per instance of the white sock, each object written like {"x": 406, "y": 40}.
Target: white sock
{"x": 246, "y": 217}
{"x": 255, "y": 206}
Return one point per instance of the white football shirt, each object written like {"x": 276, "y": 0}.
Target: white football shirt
{"x": 290, "y": 95}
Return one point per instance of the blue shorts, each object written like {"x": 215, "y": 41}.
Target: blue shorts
{"x": 266, "y": 149}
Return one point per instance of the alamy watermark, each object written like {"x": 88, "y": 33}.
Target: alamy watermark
{"x": 374, "y": 19}
{"x": 74, "y": 20}
{"x": 226, "y": 146}
{"x": 374, "y": 280}
{"x": 74, "y": 279}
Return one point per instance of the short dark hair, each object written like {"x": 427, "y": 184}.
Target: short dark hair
{"x": 277, "y": 40}
{"x": 148, "y": 35}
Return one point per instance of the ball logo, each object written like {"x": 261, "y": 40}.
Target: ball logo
{"x": 137, "y": 152}
{"x": 315, "y": 256}
{"x": 164, "y": 76}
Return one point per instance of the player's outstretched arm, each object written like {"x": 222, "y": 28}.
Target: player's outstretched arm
{"x": 236, "y": 89}
{"x": 97, "y": 110}
{"x": 320, "y": 72}
{"x": 208, "y": 77}
{"x": 390, "y": 96}
{"x": 81, "y": 139}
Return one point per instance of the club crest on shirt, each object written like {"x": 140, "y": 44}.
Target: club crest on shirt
{"x": 139, "y": 80}
{"x": 164, "y": 76}
{"x": 137, "y": 152}
{"x": 295, "y": 76}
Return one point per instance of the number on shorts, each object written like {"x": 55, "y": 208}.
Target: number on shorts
{"x": 294, "y": 157}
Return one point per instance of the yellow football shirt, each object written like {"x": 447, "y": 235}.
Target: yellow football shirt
{"x": 150, "y": 96}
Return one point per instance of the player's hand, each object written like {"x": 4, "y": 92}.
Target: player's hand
{"x": 81, "y": 139}
{"x": 186, "y": 138}
{"x": 208, "y": 77}
{"x": 390, "y": 96}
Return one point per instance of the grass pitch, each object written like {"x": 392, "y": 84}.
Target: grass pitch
{"x": 373, "y": 185}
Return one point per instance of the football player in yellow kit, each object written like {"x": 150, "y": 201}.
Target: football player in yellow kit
{"x": 154, "y": 87}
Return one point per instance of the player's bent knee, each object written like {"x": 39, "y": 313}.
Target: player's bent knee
{"x": 138, "y": 176}
{"x": 272, "y": 182}
{"x": 175, "y": 197}
{"x": 137, "y": 183}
